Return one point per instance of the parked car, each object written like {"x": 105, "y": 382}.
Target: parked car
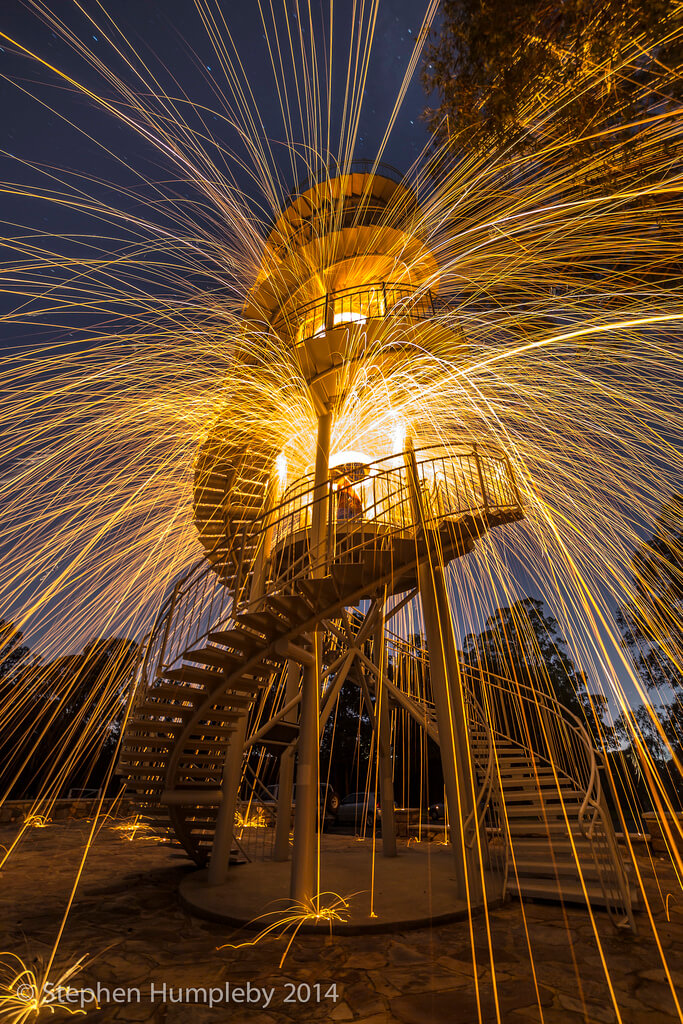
{"x": 437, "y": 812}
{"x": 330, "y": 803}
{"x": 354, "y": 806}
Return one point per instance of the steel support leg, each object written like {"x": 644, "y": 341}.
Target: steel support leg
{"x": 283, "y": 823}
{"x": 304, "y": 882}
{"x": 444, "y": 672}
{"x": 225, "y": 822}
{"x": 383, "y": 726}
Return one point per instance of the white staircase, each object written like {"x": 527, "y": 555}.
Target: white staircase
{"x": 199, "y": 682}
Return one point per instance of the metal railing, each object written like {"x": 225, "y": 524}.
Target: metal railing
{"x": 357, "y": 305}
{"x": 536, "y": 721}
{"x": 327, "y": 174}
{"x": 473, "y": 481}
{"x": 199, "y": 603}
{"x": 369, "y": 513}
{"x": 359, "y": 166}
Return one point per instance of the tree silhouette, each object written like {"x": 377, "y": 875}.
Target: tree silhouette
{"x": 13, "y": 653}
{"x": 521, "y": 642}
{"x": 652, "y": 627}
{"x": 495, "y": 64}
{"x": 69, "y": 718}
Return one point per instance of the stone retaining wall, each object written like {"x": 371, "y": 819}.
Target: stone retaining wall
{"x": 61, "y": 810}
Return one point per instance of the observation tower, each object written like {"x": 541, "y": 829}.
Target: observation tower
{"x": 304, "y": 575}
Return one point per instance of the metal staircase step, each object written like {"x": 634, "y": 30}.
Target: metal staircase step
{"x": 292, "y": 607}
{"x": 243, "y": 684}
{"x": 189, "y": 674}
{"x": 142, "y": 745}
{"x": 201, "y": 777}
{"x": 209, "y": 731}
{"x": 556, "y": 867}
{"x": 215, "y": 657}
{"x": 200, "y": 747}
{"x": 144, "y": 728}
{"x": 542, "y": 796}
{"x": 177, "y": 690}
{"x": 348, "y": 578}
{"x": 241, "y": 699}
{"x": 563, "y": 890}
{"x": 188, "y": 761}
{"x": 550, "y": 827}
{"x": 321, "y": 592}
{"x": 130, "y": 761}
{"x": 163, "y": 708}
{"x": 265, "y": 623}
{"x": 192, "y": 797}
{"x": 218, "y": 716}
{"x": 551, "y": 812}
{"x": 240, "y": 639}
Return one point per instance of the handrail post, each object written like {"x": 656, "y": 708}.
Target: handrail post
{"x": 258, "y": 579}
{"x": 283, "y": 820}
{"x": 237, "y": 582}
{"x": 482, "y": 485}
{"x": 383, "y": 728}
{"x": 225, "y": 821}
{"x": 330, "y": 544}
{"x": 167, "y": 628}
{"x": 513, "y": 480}
{"x": 329, "y": 311}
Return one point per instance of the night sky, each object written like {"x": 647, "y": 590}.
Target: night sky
{"x": 47, "y": 126}
{"x": 45, "y": 123}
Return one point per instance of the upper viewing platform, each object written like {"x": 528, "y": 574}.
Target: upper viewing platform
{"x": 351, "y": 230}
{"x": 363, "y": 193}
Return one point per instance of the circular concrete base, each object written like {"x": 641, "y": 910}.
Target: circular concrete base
{"x": 416, "y": 889}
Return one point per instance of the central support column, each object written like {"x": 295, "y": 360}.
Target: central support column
{"x": 444, "y": 673}
{"x": 304, "y": 882}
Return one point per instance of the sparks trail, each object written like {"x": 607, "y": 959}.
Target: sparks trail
{"x": 509, "y": 301}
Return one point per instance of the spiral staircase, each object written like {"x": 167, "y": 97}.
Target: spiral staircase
{"x": 216, "y": 648}
{"x": 545, "y": 794}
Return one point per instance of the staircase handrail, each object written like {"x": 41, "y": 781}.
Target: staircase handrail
{"x": 467, "y": 479}
{"x": 164, "y": 631}
{"x": 384, "y": 298}
{"x": 592, "y": 785}
{"x": 483, "y": 797}
{"x": 592, "y": 808}
{"x": 414, "y": 705}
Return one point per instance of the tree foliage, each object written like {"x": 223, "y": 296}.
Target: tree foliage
{"x": 652, "y": 625}
{"x": 522, "y": 642}
{"x": 68, "y": 717}
{"x": 501, "y": 66}
{"x": 13, "y": 653}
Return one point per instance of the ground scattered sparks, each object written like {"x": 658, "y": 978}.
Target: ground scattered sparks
{"x": 25, "y": 995}
{"x": 137, "y": 829}
{"x": 37, "y": 821}
{"x": 325, "y": 908}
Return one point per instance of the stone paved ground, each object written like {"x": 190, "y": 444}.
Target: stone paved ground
{"x": 127, "y": 911}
